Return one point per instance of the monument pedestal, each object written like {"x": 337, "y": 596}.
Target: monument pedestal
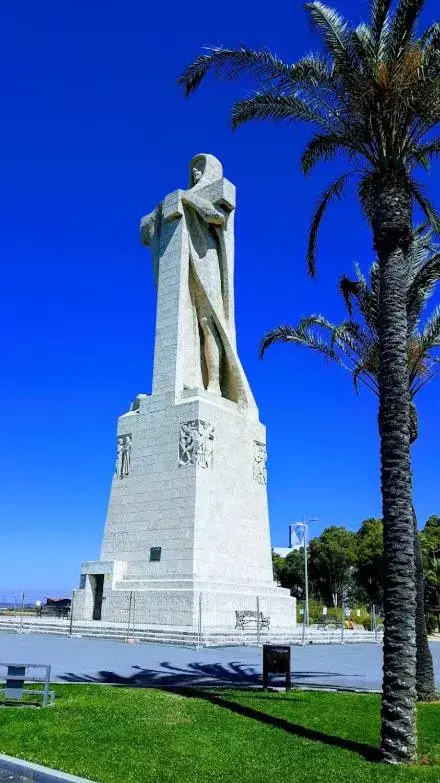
{"x": 187, "y": 532}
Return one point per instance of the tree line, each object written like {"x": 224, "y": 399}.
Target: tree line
{"x": 346, "y": 567}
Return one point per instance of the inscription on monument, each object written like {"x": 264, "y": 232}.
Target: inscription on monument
{"x": 260, "y": 457}
{"x": 196, "y": 443}
{"x": 123, "y": 456}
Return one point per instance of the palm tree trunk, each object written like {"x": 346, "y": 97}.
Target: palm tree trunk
{"x": 391, "y": 223}
{"x": 425, "y": 680}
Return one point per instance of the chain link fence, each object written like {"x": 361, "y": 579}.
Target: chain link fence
{"x": 203, "y": 619}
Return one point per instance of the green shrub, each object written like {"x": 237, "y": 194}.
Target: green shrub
{"x": 316, "y": 615}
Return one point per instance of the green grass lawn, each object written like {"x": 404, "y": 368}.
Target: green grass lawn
{"x": 123, "y": 735}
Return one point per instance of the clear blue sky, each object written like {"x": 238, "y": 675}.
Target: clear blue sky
{"x": 94, "y": 132}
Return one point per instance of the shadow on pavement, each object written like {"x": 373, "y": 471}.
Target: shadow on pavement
{"x": 233, "y": 674}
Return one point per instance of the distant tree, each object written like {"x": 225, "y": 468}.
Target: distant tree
{"x": 430, "y": 537}
{"x": 291, "y": 572}
{"x": 369, "y": 572}
{"x": 332, "y": 560}
{"x": 430, "y": 543}
{"x": 277, "y": 564}
{"x": 433, "y": 582}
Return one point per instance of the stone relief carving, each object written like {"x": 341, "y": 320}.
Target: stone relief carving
{"x": 196, "y": 443}
{"x": 123, "y": 456}
{"x": 260, "y": 457}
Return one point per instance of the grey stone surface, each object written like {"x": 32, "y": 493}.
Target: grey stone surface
{"x": 75, "y": 660}
{"x": 190, "y": 472}
{"x": 20, "y": 771}
{"x": 12, "y": 777}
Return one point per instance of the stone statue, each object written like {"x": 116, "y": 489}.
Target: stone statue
{"x": 126, "y": 456}
{"x": 123, "y": 456}
{"x": 118, "y": 457}
{"x": 206, "y": 210}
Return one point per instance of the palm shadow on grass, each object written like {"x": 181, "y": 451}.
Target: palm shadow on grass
{"x": 369, "y": 752}
{"x": 197, "y": 682}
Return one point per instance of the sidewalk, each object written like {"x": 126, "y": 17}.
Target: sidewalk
{"x": 12, "y": 777}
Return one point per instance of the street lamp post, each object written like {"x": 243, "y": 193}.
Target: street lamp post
{"x": 304, "y": 525}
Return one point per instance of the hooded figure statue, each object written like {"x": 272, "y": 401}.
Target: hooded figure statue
{"x": 207, "y": 209}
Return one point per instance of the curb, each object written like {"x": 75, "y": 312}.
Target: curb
{"x": 36, "y": 773}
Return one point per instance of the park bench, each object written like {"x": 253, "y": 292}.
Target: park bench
{"x": 248, "y": 617}
{"x": 327, "y": 622}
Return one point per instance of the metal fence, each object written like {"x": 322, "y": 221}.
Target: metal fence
{"x": 206, "y": 619}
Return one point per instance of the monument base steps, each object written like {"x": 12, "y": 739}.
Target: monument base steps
{"x": 181, "y": 637}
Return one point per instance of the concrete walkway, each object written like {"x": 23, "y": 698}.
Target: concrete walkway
{"x": 20, "y": 771}
{"x": 6, "y": 776}
{"x": 98, "y": 661}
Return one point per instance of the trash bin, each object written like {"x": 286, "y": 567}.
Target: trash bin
{"x": 276, "y": 660}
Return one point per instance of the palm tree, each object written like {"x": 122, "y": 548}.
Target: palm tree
{"x": 354, "y": 345}
{"x": 372, "y": 96}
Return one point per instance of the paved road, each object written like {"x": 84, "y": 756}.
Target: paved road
{"x": 12, "y": 777}
{"x": 97, "y": 660}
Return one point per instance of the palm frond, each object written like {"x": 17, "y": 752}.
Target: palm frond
{"x": 423, "y": 248}
{"x": 366, "y": 297}
{"x": 403, "y": 26}
{"x": 426, "y": 276}
{"x": 333, "y": 191}
{"x": 321, "y": 147}
{"x": 357, "y": 374}
{"x": 360, "y": 275}
{"x": 430, "y": 46}
{"x": 421, "y": 288}
{"x": 367, "y": 369}
{"x": 379, "y": 13}
{"x": 431, "y": 36}
{"x": 311, "y": 71}
{"x": 349, "y": 289}
{"x": 316, "y": 319}
{"x": 334, "y": 31}
{"x": 425, "y": 205}
{"x": 286, "y": 333}
{"x": 423, "y": 152}
{"x": 365, "y": 46}
{"x": 230, "y": 63}
{"x": 430, "y": 337}
{"x": 272, "y": 106}
{"x": 338, "y": 336}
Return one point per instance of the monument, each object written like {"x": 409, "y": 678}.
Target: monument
{"x": 186, "y": 539}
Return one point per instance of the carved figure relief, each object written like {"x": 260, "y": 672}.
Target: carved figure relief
{"x": 196, "y": 443}
{"x": 260, "y": 457}
{"x": 123, "y": 456}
